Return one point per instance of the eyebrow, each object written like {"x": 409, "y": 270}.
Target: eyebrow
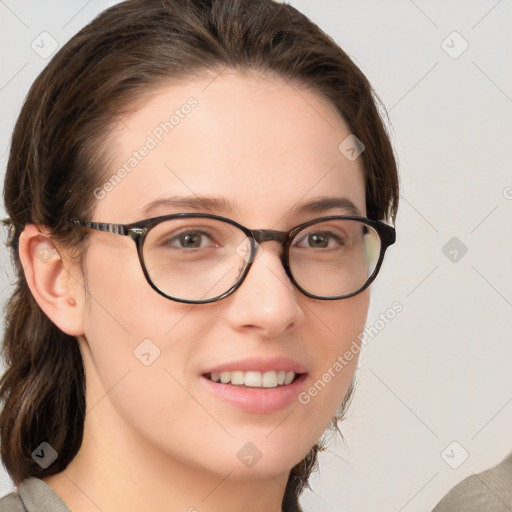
{"x": 221, "y": 205}
{"x": 191, "y": 203}
{"x": 325, "y": 204}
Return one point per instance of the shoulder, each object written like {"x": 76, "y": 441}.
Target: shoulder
{"x": 33, "y": 495}
{"x": 12, "y": 503}
{"x": 490, "y": 491}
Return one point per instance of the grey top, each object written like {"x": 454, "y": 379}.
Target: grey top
{"x": 33, "y": 495}
{"x": 490, "y": 491}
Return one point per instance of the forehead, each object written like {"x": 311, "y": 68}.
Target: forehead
{"x": 259, "y": 144}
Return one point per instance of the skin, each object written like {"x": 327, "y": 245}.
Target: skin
{"x": 265, "y": 146}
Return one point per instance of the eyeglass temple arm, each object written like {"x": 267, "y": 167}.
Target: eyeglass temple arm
{"x": 117, "y": 229}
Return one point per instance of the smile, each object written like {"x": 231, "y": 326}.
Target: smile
{"x": 261, "y": 398}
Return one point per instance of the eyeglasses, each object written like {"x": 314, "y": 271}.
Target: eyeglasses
{"x": 199, "y": 258}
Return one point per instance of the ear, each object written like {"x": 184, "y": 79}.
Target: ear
{"x": 55, "y": 282}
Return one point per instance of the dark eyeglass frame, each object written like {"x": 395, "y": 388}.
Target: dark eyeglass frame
{"x": 139, "y": 230}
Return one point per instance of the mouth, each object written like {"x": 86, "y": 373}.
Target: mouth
{"x": 256, "y": 384}
{"x": 254, "y": 379}
{"x": 252, "y": 391}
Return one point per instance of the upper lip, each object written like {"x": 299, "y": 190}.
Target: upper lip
{"x": 259, "y": 364}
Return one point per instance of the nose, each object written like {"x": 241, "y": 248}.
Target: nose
{"x": 266, "y": 301}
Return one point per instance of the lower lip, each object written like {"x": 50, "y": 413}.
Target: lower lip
{"x": 257, "y": 400}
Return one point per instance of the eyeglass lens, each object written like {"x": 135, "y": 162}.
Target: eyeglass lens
{"x": 201, "y": 258}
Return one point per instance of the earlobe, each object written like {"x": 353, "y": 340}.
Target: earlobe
{"x": 48, "y": 275}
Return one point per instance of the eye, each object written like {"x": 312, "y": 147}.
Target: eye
{"x": 189, "y": 240}
{"x": 320, "y": 240}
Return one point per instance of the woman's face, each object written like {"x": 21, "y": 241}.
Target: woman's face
{"x": 264, "y": 148}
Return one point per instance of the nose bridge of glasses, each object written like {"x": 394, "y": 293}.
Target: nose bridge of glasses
{"x": 269, "y": 235}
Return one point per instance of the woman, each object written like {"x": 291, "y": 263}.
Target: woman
{"x": 196, "y": 194}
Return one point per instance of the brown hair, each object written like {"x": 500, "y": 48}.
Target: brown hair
{"x": 57, "y": 154}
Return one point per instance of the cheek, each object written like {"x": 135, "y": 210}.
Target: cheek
{"x": 137, "y": 352}
{"x": 336, "y": 348}
{"x": 128, "y": 326}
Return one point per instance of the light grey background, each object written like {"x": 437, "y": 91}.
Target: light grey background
{"x": 440, "y": 372}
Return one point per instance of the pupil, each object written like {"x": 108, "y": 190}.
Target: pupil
{"x": 317, "y": 241}
{"x": 191, "y": 240}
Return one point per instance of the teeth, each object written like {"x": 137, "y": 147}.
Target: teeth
{"x": 252, "y": 379}
{"x": 237, "y": 378}
{"x": 288, "y": 378}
